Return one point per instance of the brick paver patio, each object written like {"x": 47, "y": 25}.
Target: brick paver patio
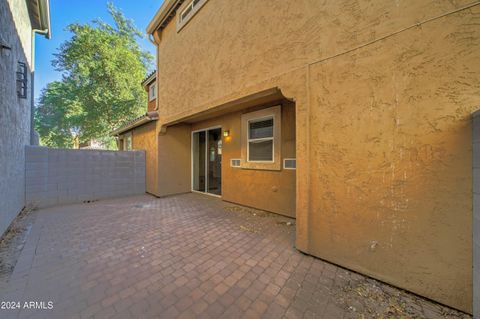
{"x": 187, "y": 256}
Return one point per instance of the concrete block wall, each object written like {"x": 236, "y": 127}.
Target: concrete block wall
{"x": 62, "y": 176}
{"x": 15, "y": 112}
{"x": 476, "y": 215}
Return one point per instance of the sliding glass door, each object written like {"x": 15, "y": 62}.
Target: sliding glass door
{"x": 207, "y": 161}
{"x": 198, "y": 157}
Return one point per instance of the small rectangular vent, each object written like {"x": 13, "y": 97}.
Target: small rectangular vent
{"x": 22, "y": 80}
{"x": 290, "y": 163}
{"x": 235, "y": 162}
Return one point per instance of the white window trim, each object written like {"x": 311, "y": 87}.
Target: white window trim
{"x": 194, "y": 9}
{"x": 188, "y": 7}
{"x": 153, "y": 87}
{"x": 289, "y": 159}
{"x": 259, "y": 119}
{"x": 269, "y": 112}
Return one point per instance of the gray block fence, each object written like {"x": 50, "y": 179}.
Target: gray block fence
{"x": 63, "y": 176}
{"x": 476, "y": 215}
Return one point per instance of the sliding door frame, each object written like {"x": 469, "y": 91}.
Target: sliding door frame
{"x": 206, "y": 159}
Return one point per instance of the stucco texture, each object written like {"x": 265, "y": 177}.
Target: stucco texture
{"x": 144, "y": 138}
{"x": 15, "y": 30}
{"x": 174, "y": 154}
{"x": 151, "y": 105}
{"x": 383, "y": 94}
{"x": 394, "y": 148}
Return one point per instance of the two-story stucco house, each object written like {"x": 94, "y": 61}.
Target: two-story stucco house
{"x": 139, "y": 133}
{"x": 19, "y": 21}
{"x": 354, "y": 117}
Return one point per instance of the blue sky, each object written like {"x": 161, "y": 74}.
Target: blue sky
{"x": 64, "y": 12}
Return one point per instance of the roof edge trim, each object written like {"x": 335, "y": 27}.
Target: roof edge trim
{"x": 163, "y": 13}
{"x": 146, "y": 118}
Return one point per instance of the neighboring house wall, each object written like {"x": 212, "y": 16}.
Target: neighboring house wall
{"x": 16, "y": 32}
{"x": 64, "y": 176}
{"x": 383, "y": 136}
{"x": 152, "y": 101}
{"x": 151, "y": 105}
{"x": 124, "y": 141}
{"x": 143, "y": 138}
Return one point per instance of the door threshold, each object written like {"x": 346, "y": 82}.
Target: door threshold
{"x": 205, "y": 193}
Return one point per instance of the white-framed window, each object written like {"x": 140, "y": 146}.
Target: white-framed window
{"x": 260, "y": 144}
{"x": 152, "y": 91}
{"x": 188, "y": 12}
{"x": 188, "y": 9}
{"x": 261, "y": 139}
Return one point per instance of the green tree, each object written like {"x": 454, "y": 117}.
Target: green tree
{"x": 102, "y": 67}
{"x": 58, "y": 114}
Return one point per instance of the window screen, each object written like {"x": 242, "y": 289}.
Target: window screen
{"x": 261, "y": 151}
{"x": 260, "y": 140}
{"x": 261, "y": 129}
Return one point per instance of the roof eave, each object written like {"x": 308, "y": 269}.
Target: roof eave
{"x": 40, "y": 14}
{"x": 45, "y": 17}
{"x": 148, "y": 117}
{"x": 162, "y": 14}
{"x": 149, "y": 79}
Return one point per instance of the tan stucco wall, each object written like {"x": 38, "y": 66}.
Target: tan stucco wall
{"x": 269, "y": 190}
{"x": 143, "y": 138}
{"x": 174, "y": 160}
{"x": 151, "y": 105}
{"x": 405, "y": 174}
{"x": 383, "y": 141}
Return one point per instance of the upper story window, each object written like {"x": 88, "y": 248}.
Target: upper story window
{"x": 152, "y": 91}
{"x": 188, "y": 12}
{"x": 188, "y": 9}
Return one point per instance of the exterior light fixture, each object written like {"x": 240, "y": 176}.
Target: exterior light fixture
{"x": 226, "y": 133}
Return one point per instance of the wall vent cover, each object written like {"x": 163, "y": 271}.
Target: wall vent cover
{"x": 290, "y": 163}
{"x": 235, "y": 162}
